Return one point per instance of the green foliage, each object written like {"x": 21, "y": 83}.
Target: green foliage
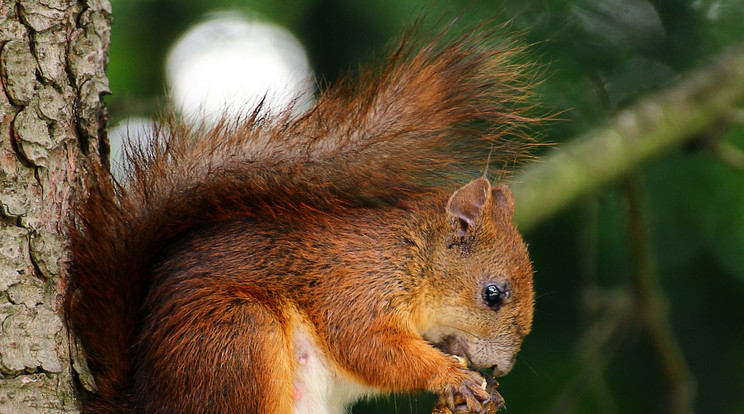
{"x": 598, "y": 56}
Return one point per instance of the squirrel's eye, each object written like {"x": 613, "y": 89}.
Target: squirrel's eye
{"x": 495, "y": 294}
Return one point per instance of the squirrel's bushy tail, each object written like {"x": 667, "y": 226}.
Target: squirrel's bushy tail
{"x": 392, "y": 133}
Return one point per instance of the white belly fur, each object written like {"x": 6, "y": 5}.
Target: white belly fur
{"x": 319, "y": 389}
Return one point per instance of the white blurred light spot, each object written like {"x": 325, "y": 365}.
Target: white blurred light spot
{"x": 226, "y": 65}
{"x": 133, "y": 128}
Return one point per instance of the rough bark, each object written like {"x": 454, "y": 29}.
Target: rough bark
{"x": 53, "y": 57}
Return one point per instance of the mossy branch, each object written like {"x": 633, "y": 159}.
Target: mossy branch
{"x": 643, "y": 131}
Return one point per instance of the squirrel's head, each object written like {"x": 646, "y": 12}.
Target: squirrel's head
{"x": 481, "y": 302}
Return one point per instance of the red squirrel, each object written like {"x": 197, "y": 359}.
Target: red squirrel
{"x": 294, "y": 264}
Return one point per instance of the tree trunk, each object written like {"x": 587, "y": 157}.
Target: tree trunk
{"x": 53, "y": 56}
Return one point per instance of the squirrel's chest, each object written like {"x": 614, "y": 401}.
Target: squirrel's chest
{"x": 318, "y": 387}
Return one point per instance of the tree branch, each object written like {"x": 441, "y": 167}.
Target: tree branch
{"x": 652, "y": 310}
{"x": 645, "y": 130}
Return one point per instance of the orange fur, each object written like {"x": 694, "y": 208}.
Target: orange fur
{"x": 237, "y": 256}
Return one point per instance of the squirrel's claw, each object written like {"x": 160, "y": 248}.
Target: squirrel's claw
{"x": 469, "y": 397}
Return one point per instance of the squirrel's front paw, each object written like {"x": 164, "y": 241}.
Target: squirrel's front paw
{"x": 466, "y": 392}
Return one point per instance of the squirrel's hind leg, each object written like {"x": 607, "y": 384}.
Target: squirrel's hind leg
{"x": 221, "y": 352}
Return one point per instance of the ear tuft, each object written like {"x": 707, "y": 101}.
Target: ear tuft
{"x": 466, "y": 204}
{"x": 503, "y": 200}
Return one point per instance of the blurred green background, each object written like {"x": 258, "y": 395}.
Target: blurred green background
{"x": 589, "y": 351}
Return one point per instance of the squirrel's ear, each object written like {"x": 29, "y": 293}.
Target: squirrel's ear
{"x": 466, "y": 204}
{"x": 503, "y": 200}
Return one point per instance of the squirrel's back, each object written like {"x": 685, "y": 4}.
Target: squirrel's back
{"x": 391, "y": 135}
